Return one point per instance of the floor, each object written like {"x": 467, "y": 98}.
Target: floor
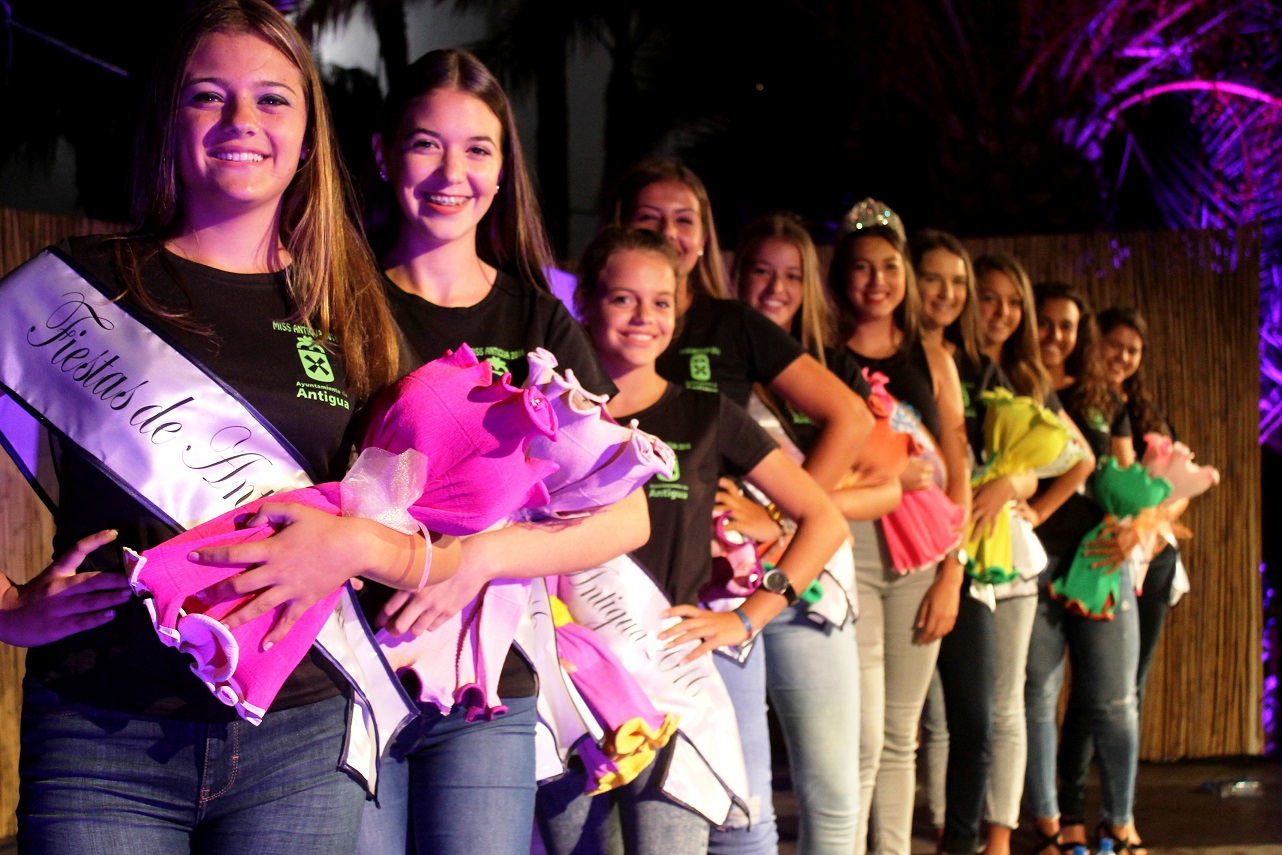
{"x": 1175, "y": 811}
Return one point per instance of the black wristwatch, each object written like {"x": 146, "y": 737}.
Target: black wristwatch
{"x": 776, "y": 582}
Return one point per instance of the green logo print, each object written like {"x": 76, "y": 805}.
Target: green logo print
{"x": 676, "y": 472}
{"x": 497, "y": 363}
{"x": 700, "y": 367}
{"x": 315, "y": 362}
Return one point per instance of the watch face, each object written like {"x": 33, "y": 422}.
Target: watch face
{"x": 774, "y": 581}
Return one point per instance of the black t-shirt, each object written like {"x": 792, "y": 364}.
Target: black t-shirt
{"x": 799, "y": 427}
{"x": 910, "y": 381}
{"x": 255, "y": 348}
{"x": 976, "y": 379}
{"x": 710, "y": 435}
{"x": 1062, "y": 532}
{"x": 725, "y": 346}
{"x": 512, "y": 320}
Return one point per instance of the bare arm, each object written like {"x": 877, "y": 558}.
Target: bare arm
{"x": 868, "y": 501}
{"x": 1123, "y": 448}
{"x": 844, "y": 417}
{"x": 820, "y": 531}
{"x": 952, "y": 424}
{"x": 522, "y": 551}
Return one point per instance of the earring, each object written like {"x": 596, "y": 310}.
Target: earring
{"x": 382, "y": 172}
{"x": 496, "y": 188}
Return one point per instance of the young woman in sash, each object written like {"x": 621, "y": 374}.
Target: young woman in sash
{"x": 812, "y": 661}
{"x": 723, "y": 346}
{"x": 246, "y": 273}
{"x": 1105, "y": 653}
{"x": 627, "y": 294}
{"x": 902, "y": 616}
{"x": 456, "y": 224}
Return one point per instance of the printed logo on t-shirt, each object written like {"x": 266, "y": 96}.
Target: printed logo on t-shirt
{"x": 500, "y": 359}
{"x": 660, "y": 487}
{"x": 1098, "y": 422}
{"x": 317, "y": 368}
{"x": 700, "y": 367}
{"x": 315, "y": 362}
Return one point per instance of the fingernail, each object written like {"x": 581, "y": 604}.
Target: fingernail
{"x": 193, "y": 556}
{"x": 112, "y": 534}
{"x": 267, "y": 645}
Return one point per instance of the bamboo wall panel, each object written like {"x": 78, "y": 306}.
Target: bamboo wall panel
{"x": 1199, "y": 295}
{"x": 26, "y": 529}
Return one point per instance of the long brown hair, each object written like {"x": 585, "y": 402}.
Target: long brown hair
{"x": 963, "y": 332}
{"x": 815, "y": 324}
{"x": 1021, "y": 355}
{"x": 907, "y": 314}
{"x": 1144, "y": 414}
{"x": 332, "y": 278}
{"x": 1083, "y": 364}
{"x": 510, "y": 236}
{"x": 709, "y": 276}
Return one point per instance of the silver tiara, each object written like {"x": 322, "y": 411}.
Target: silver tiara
{"x": 869, "y": 213}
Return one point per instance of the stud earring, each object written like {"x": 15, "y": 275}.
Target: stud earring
{"x": 382, "y": 172}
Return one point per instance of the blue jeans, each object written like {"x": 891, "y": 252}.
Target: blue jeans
{"x": 453, "y": 786}
{"x": 1076, "y": 745}
{"x": 573, "y": 823}
{"x": 812, "y": 677}
{"x": 746, "y": 685}
{"x": 1105, "y": 655}
{"x": 102, "y": 781}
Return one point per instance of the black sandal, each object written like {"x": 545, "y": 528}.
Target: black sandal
{"x": 1047, "y": 841}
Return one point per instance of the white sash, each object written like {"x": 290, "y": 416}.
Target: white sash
{"x": 78, "y": 366}
{"x": 621, "y": 603}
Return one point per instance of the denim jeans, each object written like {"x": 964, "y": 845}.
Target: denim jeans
{"x": 746, "y": 685}
{"x": 1076, "y": 745}
{"x": 967, "y": 665}
{"x": 572, "y": 823}
{"x": 812, "y": 678}
{"x": 102, "y": 781}
{"x": 894, "y": 673}
{"x": 1105, "y": 656}
{"x": 1012, "y": 627}
{"x": 454, "y": 787}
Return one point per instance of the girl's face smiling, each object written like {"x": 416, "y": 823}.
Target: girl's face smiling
{"x": 771, "y": 280}
{"x": 1001, "y": 307}
{"x": 633, "y": 310}
{"x": 1057, "y": 322}
{"x": 941, "y": 276}
{"x": 444, "y": 166}
{"x": 1122, "y": 349}
{"x": 875, "y": 283}
{"x": 241, "y": 126}
{"x": 670, "y": 208}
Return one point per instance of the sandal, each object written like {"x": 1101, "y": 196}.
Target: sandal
{"x": 1104, "y": 831}
{"x": 1047, "y": 842}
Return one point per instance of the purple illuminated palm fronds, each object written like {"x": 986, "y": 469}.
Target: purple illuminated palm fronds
{"x": 1190, "y": 94}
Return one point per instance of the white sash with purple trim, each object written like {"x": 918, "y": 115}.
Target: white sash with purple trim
{"x": 75, "y": 365}
{"x": 620, "y": 602}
